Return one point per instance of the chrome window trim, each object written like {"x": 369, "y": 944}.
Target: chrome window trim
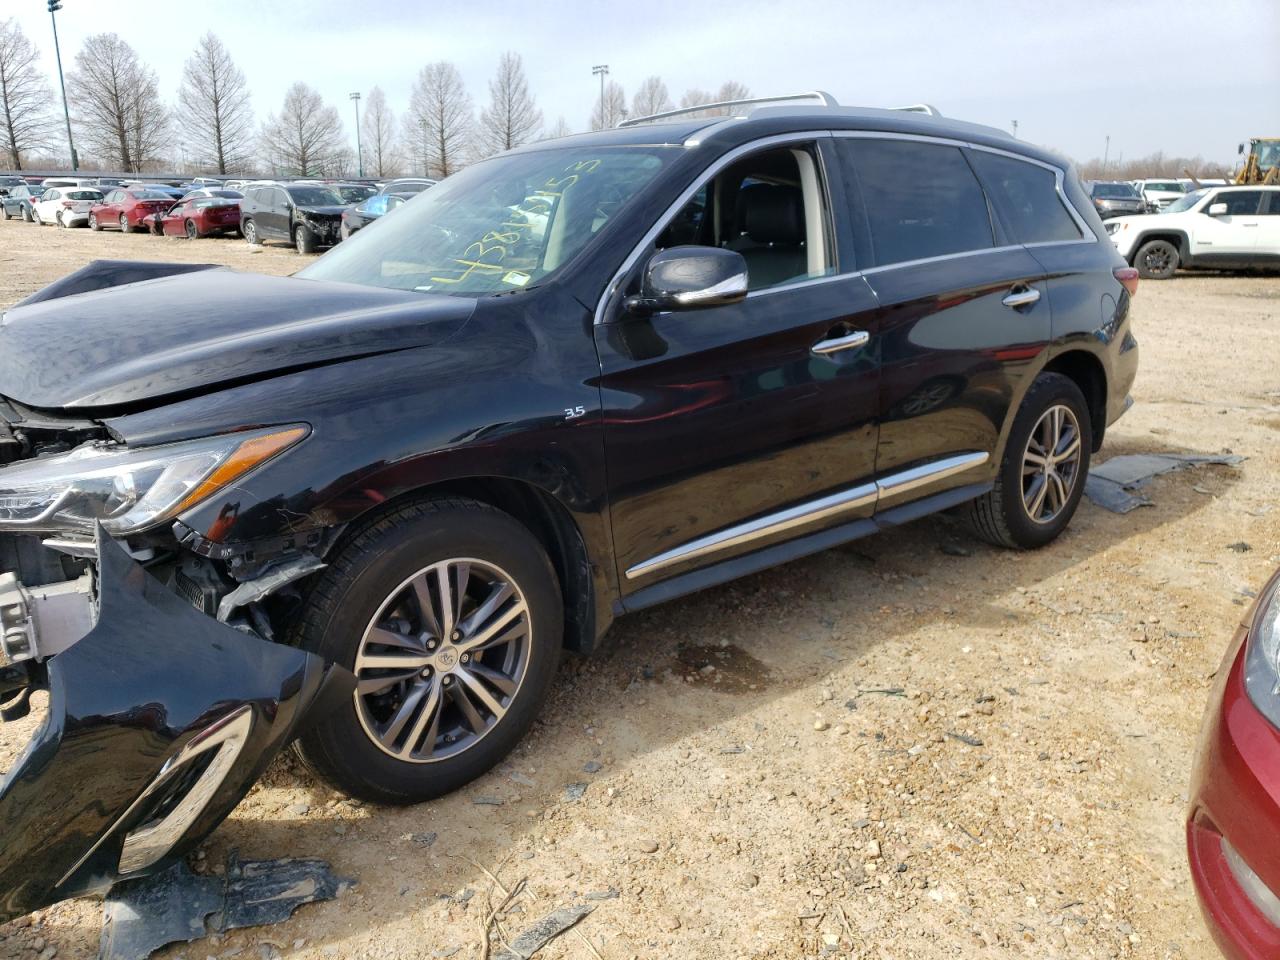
{"x": 724, "y": 160}
{"x": 942, "y": 256}
{"x": 811, "y": 511}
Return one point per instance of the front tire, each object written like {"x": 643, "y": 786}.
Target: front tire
{"x": 1042, "y": 475}
{"x": 450, "y": 615}
{"x": 1156, "y": 260}
{"x": 304, "y": 240}
{"x": 250, "y": 231}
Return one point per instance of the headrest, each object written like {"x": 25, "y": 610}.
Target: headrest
{"x": 771, "y": 213}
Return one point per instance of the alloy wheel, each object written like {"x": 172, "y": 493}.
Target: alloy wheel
{"x": 1051, "y": 464}
{"x": 1157, "y": 260}
{"x": 192, "y": 233}
{"x": 442, "y": 660}
{"x": 124, "y": 223}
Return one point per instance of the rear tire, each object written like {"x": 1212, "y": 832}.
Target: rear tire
{"x": 383, "y": 744}
{"x": 124, "y": 224}
{"x": 1156, "y": 260}
{"x": 58, "y": 221}
{"x": 1004, "y": 515}
{"x": 26, "y": 215}
{"x": 93, "y": 222}
{"x": 192, "y": 232}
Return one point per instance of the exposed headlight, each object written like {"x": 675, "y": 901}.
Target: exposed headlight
{"x": 130, "y": 490}
{"x": 1262, "y": 658}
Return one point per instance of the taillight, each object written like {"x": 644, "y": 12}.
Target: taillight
{"x": 68, "y": 204}
{"x": 1128, "y": 276}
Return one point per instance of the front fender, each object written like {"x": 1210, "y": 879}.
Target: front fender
{"x": 160, "y": 719}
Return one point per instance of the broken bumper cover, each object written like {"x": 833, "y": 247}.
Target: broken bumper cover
{"x": 159, "y": 721}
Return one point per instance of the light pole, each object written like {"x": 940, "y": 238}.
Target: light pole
{"x": 54, "y": 7}
{"x": 355, "y": 98}
{"x": 601, "y": 70}
{"x": 425, "y": 172}
{"x": 1106, "y": 153}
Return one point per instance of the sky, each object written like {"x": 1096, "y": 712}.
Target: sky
{"x": 1184, "y": 77}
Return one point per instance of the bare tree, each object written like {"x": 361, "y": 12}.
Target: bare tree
{"x": 610, "y": 110}
{"x": 441, "y": 110}
{"x": 651, "y": 98}
{"x": 379, "y": 130}
{"x": 24, "y": 94}
{"x": 732, "y": 90}
{"x": 117, "y": 103}
{"x": 512, "y": 117}
{"x": 694, "y": 97}
{"x": 305, "y": 139}
{"x": 216, "y": 117}
{"x": 558, "y": 129}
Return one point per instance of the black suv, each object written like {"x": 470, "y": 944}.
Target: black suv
{"x": 307, "y": 215}
{"x": 567, "y": 383}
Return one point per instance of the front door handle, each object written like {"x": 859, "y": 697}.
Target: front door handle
{"x": 1021, "y": 298}
{"x": 848, "y": 341}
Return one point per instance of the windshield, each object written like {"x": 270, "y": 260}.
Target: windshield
{"x": 1186, "y": 201}
{"x": 314, "y": 196}
{"x": 1113, "y": 190}
{"x": 356, "y": 193}
{"x": 1168, "y": 186}
{"x": 497, "y": 226}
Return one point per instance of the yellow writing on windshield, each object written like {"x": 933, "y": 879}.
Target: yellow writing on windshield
{"x": 530, "y": 218}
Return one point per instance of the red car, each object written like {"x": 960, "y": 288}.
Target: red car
{"x": 197, "y": 217}
{"x": 1233, "y": 825}
{"x": 127, "y": 209}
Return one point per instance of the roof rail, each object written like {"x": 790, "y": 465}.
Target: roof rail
{"x": 927, "y": 109}
{"x": 826, "y": 99}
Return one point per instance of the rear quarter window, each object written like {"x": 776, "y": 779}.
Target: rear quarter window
{"x": 1027, "y": 196}
{"x": 922, "y": 200}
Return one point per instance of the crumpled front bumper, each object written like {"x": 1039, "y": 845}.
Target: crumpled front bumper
{"x": 159, "y": 721}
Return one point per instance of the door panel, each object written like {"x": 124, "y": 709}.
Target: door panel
{"x": 1268, "y": 245}
{"x": 717, "y": 416}
{"x": 1236, "y": 233}
{"x": 952, "y": 354}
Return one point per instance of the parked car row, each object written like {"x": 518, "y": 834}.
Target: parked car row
{"x": 307, "y": 214}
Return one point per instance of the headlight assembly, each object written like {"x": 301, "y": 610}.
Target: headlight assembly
{"x": 1262, "y": 658}
{"x": 130, "y": 490}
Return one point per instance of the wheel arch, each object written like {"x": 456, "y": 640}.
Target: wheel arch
{"x": 1088, "y": 373}
{"x": 550, "y": 523}
{"x": 1178, "y": 238}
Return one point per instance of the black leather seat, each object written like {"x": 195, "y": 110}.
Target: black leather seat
{"x": 770, "y": 233}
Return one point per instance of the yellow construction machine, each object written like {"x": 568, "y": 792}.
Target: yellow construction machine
{"x": 1262, "y": 164}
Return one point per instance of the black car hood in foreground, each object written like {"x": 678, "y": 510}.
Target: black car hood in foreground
{"x": 88, "y": 344}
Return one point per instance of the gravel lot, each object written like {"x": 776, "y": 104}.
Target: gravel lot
{"x": 913, "y": 746}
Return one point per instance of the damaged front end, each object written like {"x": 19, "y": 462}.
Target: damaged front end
{"x": 159, "y": 720}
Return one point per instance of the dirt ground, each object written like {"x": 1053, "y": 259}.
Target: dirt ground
{"x": 775, "y": 768}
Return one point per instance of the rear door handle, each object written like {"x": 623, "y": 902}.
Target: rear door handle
{"x": 847, "y": 341}
{"x": 1021, "y": 298}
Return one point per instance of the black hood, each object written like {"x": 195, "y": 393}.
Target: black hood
{"x": 138, "y": 342}
{"x": 329, "y": 212}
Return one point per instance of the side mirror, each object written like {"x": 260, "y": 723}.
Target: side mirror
{"x": 690, "y": 277}
{"x": 1217, "y": 210}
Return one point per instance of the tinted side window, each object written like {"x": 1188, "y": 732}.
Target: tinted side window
{"x": 922, "y": 200}
{"x": 1027, "y": 195}
{"x": 1273, "y": 198}
{"x": 1239, "y": 202}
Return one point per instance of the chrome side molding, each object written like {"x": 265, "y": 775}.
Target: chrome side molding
{"x": 812, "y": 511}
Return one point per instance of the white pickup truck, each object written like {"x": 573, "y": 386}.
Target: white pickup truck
{"x": 1160, "y": 193}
